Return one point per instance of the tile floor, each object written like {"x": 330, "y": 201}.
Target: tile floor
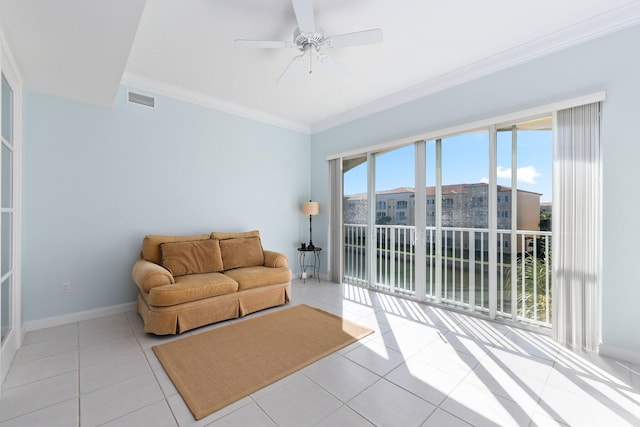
{"x": 424, "y": 366}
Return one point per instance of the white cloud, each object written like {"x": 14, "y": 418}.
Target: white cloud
{"x": 526, "y": 174}
{"x": 504, "y": 173}
{"x": 484, "y": 180}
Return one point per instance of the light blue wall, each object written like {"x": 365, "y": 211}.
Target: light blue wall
{"x": 612, "y": 64}
{"x": 96, "y": 180}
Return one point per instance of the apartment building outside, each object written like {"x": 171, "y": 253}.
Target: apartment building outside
{"x": 463, "y": 206}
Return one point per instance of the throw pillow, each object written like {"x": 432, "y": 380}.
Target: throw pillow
{"x": 151, "y": 244}
{"x": 243, "y": 252}
{"x": 199, "y": 256}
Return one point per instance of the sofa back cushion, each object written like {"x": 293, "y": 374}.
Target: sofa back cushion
{"x": 240, "y": 249}
{"x": 151, "y": 245}
{"x": 192, "y": 257}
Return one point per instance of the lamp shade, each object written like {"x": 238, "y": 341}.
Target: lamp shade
{"x": 311, "y": 208}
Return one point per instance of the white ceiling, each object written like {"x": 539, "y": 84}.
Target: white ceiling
{"x": 76, "y": 49}
{"x": 83, "y": 49}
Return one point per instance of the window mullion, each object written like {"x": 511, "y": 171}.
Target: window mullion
{"x": 420, "y": 215}
{"x": 438, "y": 221}
{"x": 514, "y": 222}
{"x": 371, "y": 243}
{"x": 493, "y": 222}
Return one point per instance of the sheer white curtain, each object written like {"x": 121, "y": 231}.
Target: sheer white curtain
{"x": 335, "y": 221}
{"x": 576, "y": 226}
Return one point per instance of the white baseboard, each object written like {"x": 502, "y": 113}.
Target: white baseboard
{"x": 619, "y": 353}
{"x": 78, "y": 316}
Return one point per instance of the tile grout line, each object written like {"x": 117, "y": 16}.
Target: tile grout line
{"x": 165, "y": 398}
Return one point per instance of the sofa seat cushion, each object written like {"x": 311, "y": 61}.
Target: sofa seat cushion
{"x": 192, "y": 287}
{"x": 257, "y": 276}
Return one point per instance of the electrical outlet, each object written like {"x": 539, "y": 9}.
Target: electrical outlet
{"x": 66, "y": 287}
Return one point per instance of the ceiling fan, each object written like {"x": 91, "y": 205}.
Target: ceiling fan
{"x": 308, "y": 39}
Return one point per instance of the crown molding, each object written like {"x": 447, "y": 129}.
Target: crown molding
{"x": 160, "y": 88}
{"x": 5, "y": 50}
{"x": 599, "y": 26}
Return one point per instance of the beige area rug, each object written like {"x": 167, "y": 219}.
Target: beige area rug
{"x": 216, "y": 368}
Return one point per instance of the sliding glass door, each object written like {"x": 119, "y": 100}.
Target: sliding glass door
{"x": 395, "y": 220}
{"x": 524, "y": 210}
{"x": 462, "y": 220}
{"x": 355, "y": 219}
{"x": 458, "y": 211}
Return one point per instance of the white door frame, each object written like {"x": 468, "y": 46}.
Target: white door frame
{"x": 14, "y": 339}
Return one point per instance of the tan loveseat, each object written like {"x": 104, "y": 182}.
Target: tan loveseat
{"x": 190, "y": 281}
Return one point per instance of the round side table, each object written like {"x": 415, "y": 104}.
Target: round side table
{"x": 309, "y": 260}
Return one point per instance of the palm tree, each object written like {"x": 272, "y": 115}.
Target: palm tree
{"x": 536, "y": 295}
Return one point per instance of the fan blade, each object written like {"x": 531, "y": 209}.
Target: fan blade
{"x": 290, "y": 70}
{"x": 355, "y": 39}
{"x": 334, "y": 68}
{"x": 263, "y": 44}
{"x": 304, "y": 15}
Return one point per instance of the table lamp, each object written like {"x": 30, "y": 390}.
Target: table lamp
{"x": 310, "y": 208}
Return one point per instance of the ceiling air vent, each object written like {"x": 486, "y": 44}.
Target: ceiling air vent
{"x": 138, "y": 98}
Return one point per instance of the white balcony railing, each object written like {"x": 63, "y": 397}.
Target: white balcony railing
{"x": 523, "y": 268}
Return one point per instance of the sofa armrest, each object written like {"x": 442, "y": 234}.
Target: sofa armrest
{"x": 275, "y": 259}
{"x": 147, "y": 275}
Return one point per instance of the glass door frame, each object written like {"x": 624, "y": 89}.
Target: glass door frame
{"x": 13, "y": 340}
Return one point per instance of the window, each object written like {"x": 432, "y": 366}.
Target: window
{"x": 381, "y": 205}
{"x": 479, "y": 219}
{"x": 401, "y": 216}
{"x": 380, "y": 214}
{"x": 402, "y": 204}
{"x": 479, "y": 201}
{"x": 447, "y": 203}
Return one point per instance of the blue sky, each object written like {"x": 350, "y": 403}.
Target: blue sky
{"x": 465, "y": 159}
